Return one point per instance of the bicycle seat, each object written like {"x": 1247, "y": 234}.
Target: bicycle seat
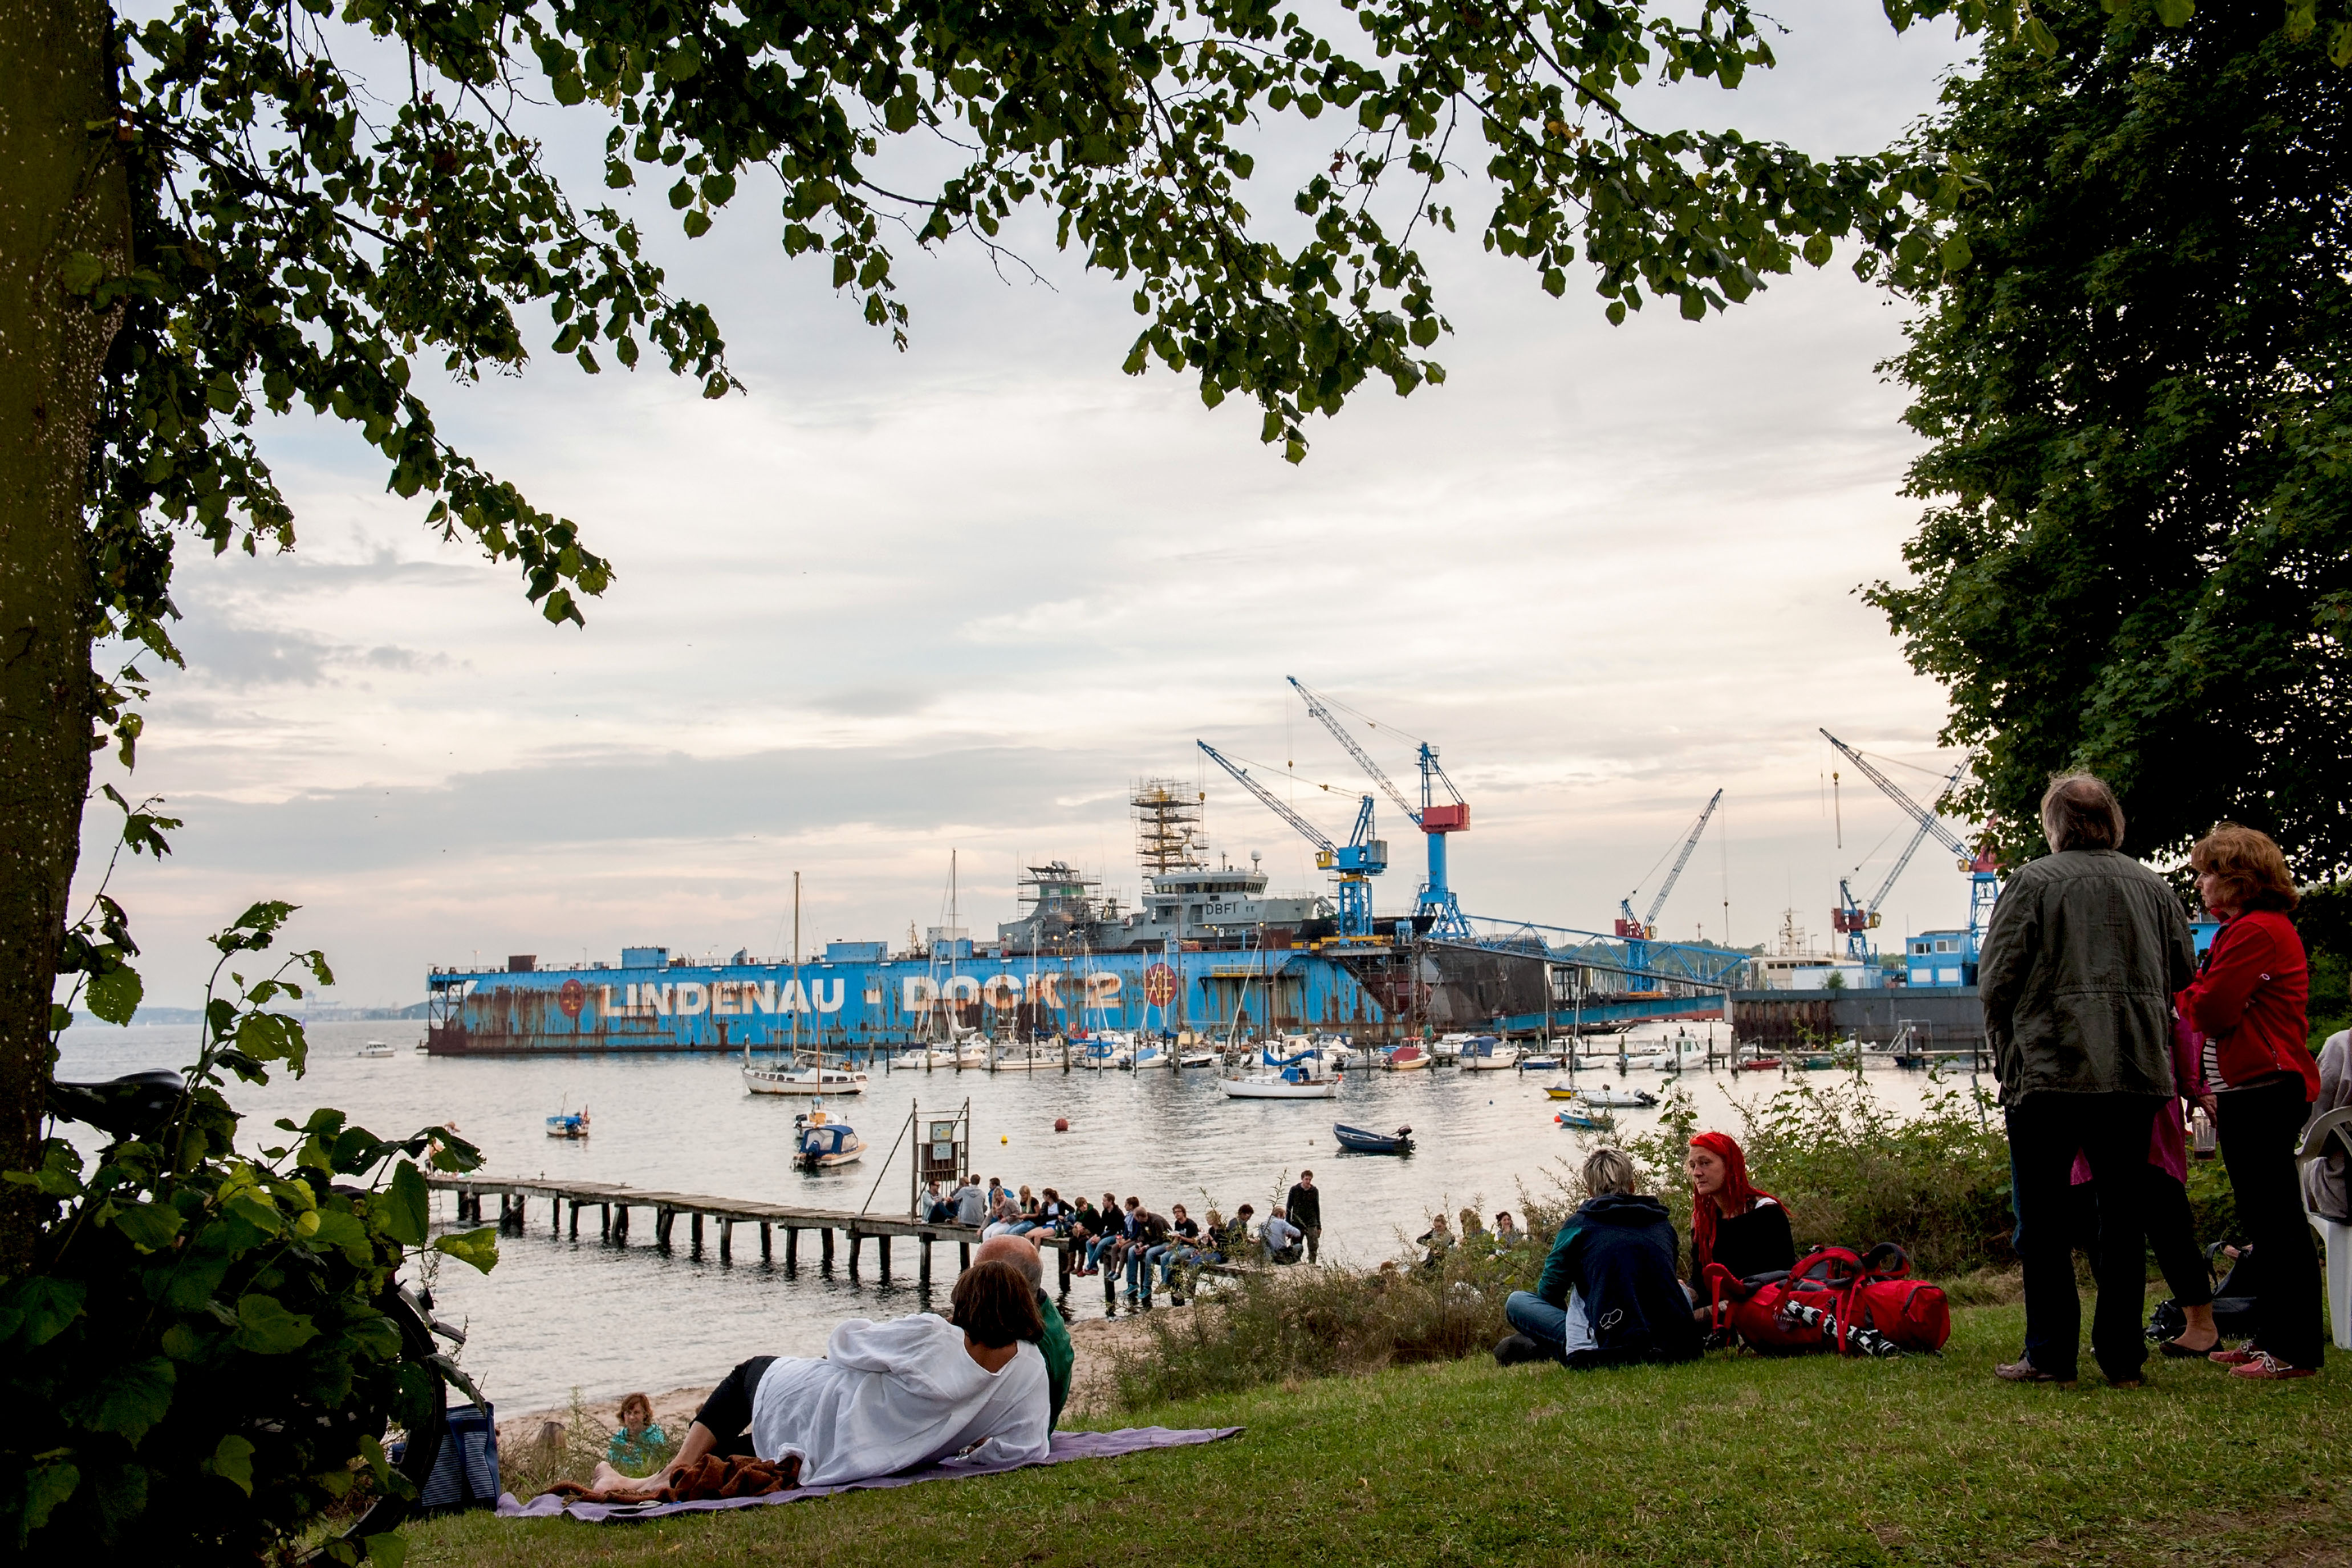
{"x": 128, "y": 1107}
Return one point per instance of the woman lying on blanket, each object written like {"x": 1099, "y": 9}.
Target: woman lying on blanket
{"x": 887, "y": 1396}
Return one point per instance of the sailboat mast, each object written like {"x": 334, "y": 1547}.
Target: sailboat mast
{"x": 800, "y": 996}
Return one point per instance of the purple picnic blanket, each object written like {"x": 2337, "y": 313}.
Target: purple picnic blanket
{"x": 1067, "y": 1446}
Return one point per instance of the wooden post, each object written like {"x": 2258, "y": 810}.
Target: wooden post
{"x": 963, "y": 1255}
{"x": 882, "y": 1256}
{"x": 621, "y": 1225}
{"x": 1062, "y": 1265}
{"x": 697, "y": 1227}
{"x": 855, "y": 1241}
{"x": 791, "y": 1247}
{"x": 725, "y": 1240}
{"x": 575, "y": 1216}
{"x": 825, "y": 1241}
{"x": 923, "y": 1267}
{"x": 605, "y": 1220}
{"x": 664, "y": 1218}
{"x": 504, "y": 1203}
{"x": 767, "y": 1243}
{"x": 555, "y": 1216}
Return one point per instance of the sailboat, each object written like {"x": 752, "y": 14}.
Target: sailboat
{"x": 776, "y": 1077}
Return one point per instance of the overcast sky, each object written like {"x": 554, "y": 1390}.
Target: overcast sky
{"x": 887, "y": 606}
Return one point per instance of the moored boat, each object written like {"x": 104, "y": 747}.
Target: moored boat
{"x": 1488, "y": 1053}
{"x": 1407, "y": 1058}
{"x": 1757, "y": 1064}
{"x": 781, "y": 1079}
{"x": 819, "y": 1142}
{"x": 1617, "y": 1099}
{"x": 1358, "y": 1140}
{"x": 374, "y": 1049}
{"x": 569, "y": 1123}
{"x": 1580, "y": 1121}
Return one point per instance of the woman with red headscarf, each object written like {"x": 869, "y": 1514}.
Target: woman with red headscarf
{"x": 1733, "y": 1222}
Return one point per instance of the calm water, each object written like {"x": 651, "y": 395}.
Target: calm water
{"x": 557, "y": 1315}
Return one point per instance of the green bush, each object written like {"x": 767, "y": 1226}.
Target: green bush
{"x": 1851, "y": 1172}
{"x": 199, "y": 1367}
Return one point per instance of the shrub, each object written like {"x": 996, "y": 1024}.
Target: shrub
{"x": 198, "y": 1366}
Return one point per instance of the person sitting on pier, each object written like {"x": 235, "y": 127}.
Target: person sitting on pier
{"x": 1607, "y": 1294}
{"x": 887, "y": 1398}
{"x": 1053, "y": 1345}
{"x": 1148, "y": 1236}
{"x": 1184, "y": 1232}
{"x": 971, "y": 1202}
{"x": 1236, "y": 1240}
{"x": 1284, "y": 1242}
{"x": 936, "y": 1207}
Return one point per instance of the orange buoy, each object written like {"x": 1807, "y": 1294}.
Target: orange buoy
{"x": 1061, "y": 1124}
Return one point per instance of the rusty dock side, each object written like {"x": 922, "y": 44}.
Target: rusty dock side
{"x": 614, "y": 1201}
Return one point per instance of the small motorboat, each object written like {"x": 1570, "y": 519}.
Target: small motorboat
{"x": 1757, "y": 1064}
{"x": 1406, "y": 1058}
{"x": 1358, "y": 1140}
{"x": 1299, "y": 1076}
{"x": 569, "y": 1123}
{"x": 1153, "y": 1054}
{"x": 1197, "y": 1060}
{"x": 1542, "y": 1064}
{"x": 374, "y": 1049}
{"x": 1814, "y": 1064}
{"x": 1487, "y": 1054}
{"x": 1579, "y": 1119}
{"x": 1026, "y": 1058}
{"x": 819, "y": 1142}
{"x": 1608, "y": 1098}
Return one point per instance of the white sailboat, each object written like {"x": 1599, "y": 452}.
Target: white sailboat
{"x": 798, "y": 1078}
{"x": 1299, "y": 1076}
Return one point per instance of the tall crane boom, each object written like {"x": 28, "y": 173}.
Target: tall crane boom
{"x": 1357, "y": 861}
{"x": 1926, "y": 818}
{"x": 1681, "y": 860}
{"x": 1642, "y": 928}
{"x": 1316, "y": 709}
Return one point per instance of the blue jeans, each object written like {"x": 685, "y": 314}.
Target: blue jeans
{"x": 1560, "y": 1330}
{"x": 1095, "y": 1248}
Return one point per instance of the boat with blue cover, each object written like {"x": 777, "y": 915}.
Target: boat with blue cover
{"x": 1358, "y": 1140}
{"x": 819, "y": 1142}
{"x": 1576, "y": 1119}
{"x": 568, "y": 1123}
{"x": 1301, "y": 1077}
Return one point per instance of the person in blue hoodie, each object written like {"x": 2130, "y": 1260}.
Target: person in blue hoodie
{"x": 1608, "y": 1295}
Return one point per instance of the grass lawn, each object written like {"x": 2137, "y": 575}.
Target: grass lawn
{"x": 1731, "y": 1461}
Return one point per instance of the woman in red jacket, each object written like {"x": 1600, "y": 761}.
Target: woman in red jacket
{"x": 2248, "y": 1002}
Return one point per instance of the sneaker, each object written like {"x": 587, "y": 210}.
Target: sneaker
{"x": 2266, "y": 1367}
{"x": 2233, "y": 1358}
{"x": 1516, "y": 1350}
{"x": 2023, "y": 1370}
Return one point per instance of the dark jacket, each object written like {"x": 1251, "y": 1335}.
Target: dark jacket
{"x": 2079, "y": 967}
{"x": 1305, "y": 1206}
{"x": 1619, "y": 1252}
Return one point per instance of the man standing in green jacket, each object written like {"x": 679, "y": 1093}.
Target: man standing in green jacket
{"x": 2080, "y": 963}
{"x": 1060, "y": 1355}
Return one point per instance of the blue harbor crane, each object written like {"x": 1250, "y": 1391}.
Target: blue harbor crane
{"x": 1856, "y": 921}
{"x": 1357, "y": 861}
{"x": 1436, "y": 908}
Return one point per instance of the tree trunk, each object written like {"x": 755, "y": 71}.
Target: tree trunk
{"x": 62, "y": 191}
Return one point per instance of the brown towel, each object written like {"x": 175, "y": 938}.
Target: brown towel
{"x": 708, "y": 1478}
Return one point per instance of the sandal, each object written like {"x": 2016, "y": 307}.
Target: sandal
{"x": 2180, "y": 1352}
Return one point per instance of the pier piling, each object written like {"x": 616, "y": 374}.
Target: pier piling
{"x": 725, "y": 1240}
{"x": 923, "y": 1265}
{"x": 882, "y": 1256}
{"x": 855, "y": 1241}
{"x": 825, "y": 1245}
{"x": 694, "y": 1246}
{"x": 791, "y": 1249}
{"x": 767, "y": 1243}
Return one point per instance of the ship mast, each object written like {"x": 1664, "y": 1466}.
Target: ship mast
{"x": 800, "y": 996}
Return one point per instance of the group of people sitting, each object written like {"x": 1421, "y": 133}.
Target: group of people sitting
{"x": 1610, "y": 1293}
{"x": 1131, "y": 1239}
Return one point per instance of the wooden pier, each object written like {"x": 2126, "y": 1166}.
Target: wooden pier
{"x": 614, "y": 1201}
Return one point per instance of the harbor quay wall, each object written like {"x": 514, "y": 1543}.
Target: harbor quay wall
{"x": 1941, "y": 1017}
{"x": 854, "y": 1004}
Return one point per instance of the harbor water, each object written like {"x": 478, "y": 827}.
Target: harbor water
{"x": 559, "y": 1315}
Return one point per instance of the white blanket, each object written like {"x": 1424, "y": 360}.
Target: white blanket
{"x": 890, "y": 1395}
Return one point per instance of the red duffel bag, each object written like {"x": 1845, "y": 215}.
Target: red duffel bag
{"x": 1856, "y": 1303}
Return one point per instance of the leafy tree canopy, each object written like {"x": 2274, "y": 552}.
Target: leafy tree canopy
{"x": 2139, "y": 558}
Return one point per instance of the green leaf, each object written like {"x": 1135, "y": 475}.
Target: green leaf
{"x": 232, "y": 1461}
{"x": 1819, "y": 248}
{"x": 2175, "y": 13}
{"x": 45, "y": 1488}
{"x": 1694, "y": 305}
{"x": 478, "y": 1248}
{"x": 114, "y": 995}
{"x": 150, "y": 1226}
{"x": 37, "y": 1309}
{"x": 386, "y": 1551}
{"x": 408, "y": 1215}
{"x": 81, "y": 273}
{"x": 2040, "y": 38}
{"x": 266, "y": 1328}
{"x": 338, "y": 1226}
{"x": 127, "y": 1399}
{"x": 1955, "y": 251}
